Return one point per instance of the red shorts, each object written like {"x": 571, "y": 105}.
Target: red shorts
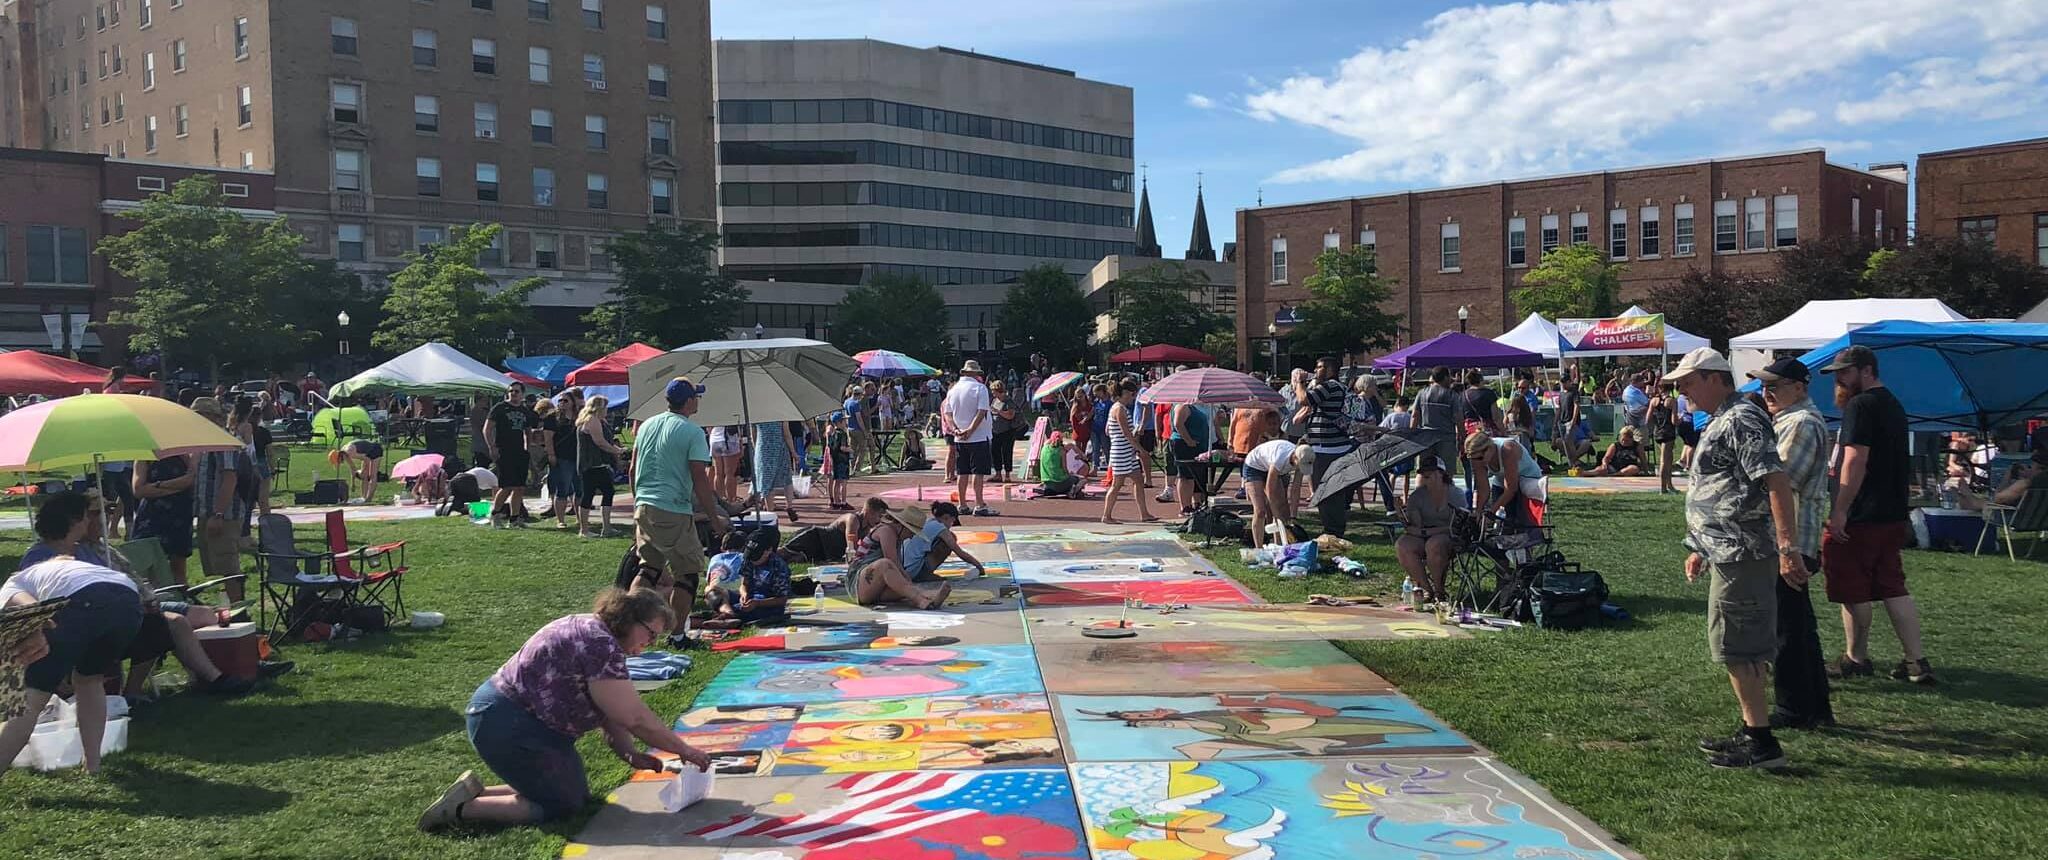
{"x": 1865, "y": 567}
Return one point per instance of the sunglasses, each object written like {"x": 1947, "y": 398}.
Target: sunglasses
{"x": 653, "y": 635}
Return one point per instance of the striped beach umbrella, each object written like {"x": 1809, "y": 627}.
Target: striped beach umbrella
{"x": 881, "y": 363}
{"x": 1054, "y": 384}
{"x": 1212, "y": 386}
{"x": 90, "y": 428}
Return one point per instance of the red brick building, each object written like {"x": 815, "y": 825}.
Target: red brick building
{"x": 54, "y": 209}
{"x": 1996, "y": 194}
{"x": 1469, "y": 246}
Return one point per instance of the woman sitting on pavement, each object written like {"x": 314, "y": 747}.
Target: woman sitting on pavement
{"x": 1055, "y": 478}
{"x": 877, "y": 567}
{"x": 1425, "y": 547}
{"x": 364, "y": 458}
{"x": 1624, "y": 457}
{"x": 761, "y": 593}
{"x": 569, "y": 678}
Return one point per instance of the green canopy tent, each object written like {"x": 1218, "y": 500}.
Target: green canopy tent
{"x": 434, "y": 370}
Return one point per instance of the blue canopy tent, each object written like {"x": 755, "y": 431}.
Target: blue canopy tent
{"x": 1949, "y": 375}
{"x": 551, "y": 369}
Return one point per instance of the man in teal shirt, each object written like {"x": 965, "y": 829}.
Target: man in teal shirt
{"x": 672, "y": 494}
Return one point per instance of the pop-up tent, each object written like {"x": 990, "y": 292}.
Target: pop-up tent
{"x": 1535, "y": 334}
{"x": 549, "y": 369}
{"x": 28, "y": 372}
{"x": 434, "y": 370}
{"x": 1457, "y": 349}
{"x": 1820, "y": 322}
{"x": 611, "y": 369}
{"x": 1539, "y": 335}
{"x": 1969, "y": 375}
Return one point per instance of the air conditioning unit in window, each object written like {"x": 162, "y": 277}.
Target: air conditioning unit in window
{"x": 486, "y": 133}
{"x": 597, "y": 86}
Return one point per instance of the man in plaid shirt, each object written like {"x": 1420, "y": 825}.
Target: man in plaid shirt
{"x": 1801, "y": 678}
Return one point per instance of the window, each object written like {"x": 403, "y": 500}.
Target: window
{"x": 539, "y": 10}
{"x": 1681, "y": 230}
{"x": 1279, "y": 264}
{"x": 539, "y": 64}
{"x": 593, "y": 70}
{"x": 657, "y": 81}
{"x": 348, "y": 170}
{"x": 546, "y": 249}
{"x": 1450, "y": 255}
{"x": 1856, "y": 217}
{"x": 120, "y": 106}
{"x": 114, "y": 12}
{"x": 424, "y": 238}
{"x": 481, "y": 4}
{"x": 150, "y": 183}
{"x": 142, "y": 16}
{"x": 426, "y": 114}
{"x": 120, "y": 66}
{"x": 1753, "y": 237}
{"x": 543, "y": 122}
{"x": 248, "y": 159}
{"x": 486, "y": 181}
{"x": 593, "y": 14}
{"x": 483, "y": 56}
{"x": 2040, "y": 238}
{"x": 56, "y": 255}
{"x": 493, "y": 256}
{"x": 593, "y": 131}
{"x": 181, "y": 120}
{"x": 99, "y": 14}
{"x": 106, "y": 111}
{"x": 241, "y": 38}
{"x": 426, "y": 48}
{"x": 543, "y": 187}
{"x": 1547, "y": 239}
{"x": 1617, "y": 234}
{"x": 663, "y": 192}
{"x": 103, "y": 65}
{"x": 1650, "y": 231}
{"x": 1582, "y": 225}
{"x": 348, "y": 239}
{"x": 486, "y": 121}
{"x": 1981, "y": 231}
{"x": 234, "y": 189}
{"x": 661, "y": 136}
{"x": 67, "y": 83}
{"x": 657, "y": 22}
{"x": 347, "y": 100}
{"x": 427, "y": 171}
{"x": 149, "y": 71}
{"x": 1877, "y": 225}
{"x": 1786, "y": 209}
{"x": 149, "y": 133}
{"x": 1518, "y": 241}
{"x": 1724, "y": 226}
{"x": 178, "y": 56}
{"x": 596, "y": 191}
{"x": 1370, "y": 241}
{"x": 342, "y": 33}
{"x": 245, "y": 106}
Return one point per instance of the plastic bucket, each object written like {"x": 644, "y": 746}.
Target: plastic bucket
{"x": 479, "y": 510}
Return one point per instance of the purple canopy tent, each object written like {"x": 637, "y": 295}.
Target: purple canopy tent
{"x": 1454, "y": 349}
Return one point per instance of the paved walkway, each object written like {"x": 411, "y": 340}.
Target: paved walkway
{"x": 998, "y": 728}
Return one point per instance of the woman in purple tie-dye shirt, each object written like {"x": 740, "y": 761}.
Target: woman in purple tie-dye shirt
{"x": 568, "y": 679}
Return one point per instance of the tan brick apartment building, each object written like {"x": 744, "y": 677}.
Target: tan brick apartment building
{"x": 390, "y": 122}
{"x": 1469, "y": 246}
{"x": 1996, "y": 194}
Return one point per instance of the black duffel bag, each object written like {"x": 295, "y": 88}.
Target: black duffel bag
{"x": 1566, "y": 598}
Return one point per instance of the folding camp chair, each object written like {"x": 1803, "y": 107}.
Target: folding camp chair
{"x": 375, "y": 569}
{"x": 2029, "y": 516}
{"x": 296, "y": 584}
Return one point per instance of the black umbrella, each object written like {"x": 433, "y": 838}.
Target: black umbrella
{"x": 1367, "y": 461}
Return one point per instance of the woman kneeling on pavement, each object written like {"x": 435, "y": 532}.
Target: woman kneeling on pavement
{"x": 568, "y": 679}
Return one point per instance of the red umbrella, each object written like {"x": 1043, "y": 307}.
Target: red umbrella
{"x": 1212, "y": 386}
{"x": 27, "y": 372}
{"x": 611, "y": 369}
{"x": 1162, "y": 353}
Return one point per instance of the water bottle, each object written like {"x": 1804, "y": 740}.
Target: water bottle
{"x": 1410, "y": 594}
{"x": 1948, "y": 498}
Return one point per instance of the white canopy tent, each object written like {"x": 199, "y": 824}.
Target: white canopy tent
{"x": 433, "y": 369}
{"x": 1539, "y": 335}
{"x": 1820, "y": 322}
{"x": 2038, "y": 315}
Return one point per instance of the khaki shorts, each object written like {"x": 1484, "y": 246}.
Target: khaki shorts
{"x": 669, "y": 541}
{"x": 1742, "y": 612}
{"x": 220, "y": 548}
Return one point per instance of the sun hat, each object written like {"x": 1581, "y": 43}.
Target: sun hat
{"x": 208, "y": 407}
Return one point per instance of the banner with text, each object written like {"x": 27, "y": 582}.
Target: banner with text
{"x": 1613, "y": 334}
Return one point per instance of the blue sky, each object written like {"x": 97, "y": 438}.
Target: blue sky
{"x": 1310, "y": 99}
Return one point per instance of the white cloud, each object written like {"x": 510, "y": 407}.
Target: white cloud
{"x": 1199, "y": 101}
{"x": 2007, "y": 82}
{"x": 1791, "y": 119}
{"x": 1485, "y": 92}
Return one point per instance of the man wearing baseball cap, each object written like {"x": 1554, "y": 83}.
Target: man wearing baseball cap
{"x": 1738, "y": 501}
{"x": 1800, "y": 673}
{"x": 672, "y": 494}
{"x": 1867, "y": 531}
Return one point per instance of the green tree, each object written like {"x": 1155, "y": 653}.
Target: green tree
{"x": 670, "y": 293}
{"x": 1346, "y": 312}
{"x": 890, "y": 312}
{"x": 1714, "y": 305}
{"x": 1974, "y": 278}
{"x": 213, "y": 288}
{"x": 1222, "y": 345}
{"x": 1045, "y": 312}
{"x": 1163, "y": 303}
{"x": 442, "y": 295}
{"x": 1577, "y": 281}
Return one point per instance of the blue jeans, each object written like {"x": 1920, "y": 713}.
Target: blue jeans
{"x": 538, "y": 762}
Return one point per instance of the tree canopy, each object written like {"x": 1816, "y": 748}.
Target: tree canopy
{"x": 1163, "y": 303}
{"x": 443, "y": 295}
{"x": 1346, "y": 310}
{"x": 1044, "y": 312}
{"x": 892, "y": 312}
{"x": 670, "y": 292}
{"x": 1576, "y": 281}
{"x": 1974, "y": 278}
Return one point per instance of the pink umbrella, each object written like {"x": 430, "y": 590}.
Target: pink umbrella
{"x": 415, "y": 466}
{"x": 1053, "y": 384}
{"x": 1212, "y": 386}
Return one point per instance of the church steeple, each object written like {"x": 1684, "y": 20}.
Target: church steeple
{"x": 1148, "y": 239}
{"x": 1199, "y": 247}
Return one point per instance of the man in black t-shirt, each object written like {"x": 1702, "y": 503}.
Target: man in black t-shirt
{"x": 1866, "y": 532}
{"x": 505, "y": 431}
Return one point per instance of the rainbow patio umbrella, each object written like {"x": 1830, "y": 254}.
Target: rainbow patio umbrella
{"x": 881, "y": 363}
{"x": 95, "y": 428}
{"x": 1054, "y": 384}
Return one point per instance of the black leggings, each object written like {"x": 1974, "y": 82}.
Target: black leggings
{"x": 597, "y": 480}
{"x": 1005, "y": 449}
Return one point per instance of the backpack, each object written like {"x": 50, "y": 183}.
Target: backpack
{"x": 1566, "y": 598}
{"x": 1217, "y": 525}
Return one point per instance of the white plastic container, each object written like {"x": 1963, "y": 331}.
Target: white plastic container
{"x": 59, "y": 746}
{"x": 428, "y": 620}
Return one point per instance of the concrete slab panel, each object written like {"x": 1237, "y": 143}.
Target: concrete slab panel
{"x": 805, "y": 677}
{"x": 1177, "y": 667}
{"x": 1216, "y": 589}
{"x": 1232, "y": 726}
{"x": 877, "y": 735}
{"x": 1091, "y": 550}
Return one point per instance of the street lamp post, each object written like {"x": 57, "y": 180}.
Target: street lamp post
{"x": 1464, "y": 313}
{"x": 759, "y": 331}
{"x": 341, "y": 349}
{"x": 1273, "y": 347}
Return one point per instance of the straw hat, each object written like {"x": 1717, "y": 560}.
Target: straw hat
{"x": 208, "y": 407}
{"x": 910, "y": 517}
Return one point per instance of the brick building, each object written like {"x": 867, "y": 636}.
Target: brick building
{"x": 1469, "y": 246}
{"x": 390, "y": 124}
{"x": 54, "y": 209}
{"x": 1996, "y": 194}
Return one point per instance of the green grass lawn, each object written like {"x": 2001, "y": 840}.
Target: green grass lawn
{"x": 338, "y": 758}
{"x": 1606, "y": 719}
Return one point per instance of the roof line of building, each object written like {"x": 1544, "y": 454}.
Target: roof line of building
{"x": 1971, "y": 150}
{"x": 1572, "y": 175}
{"x": 944, "y": 49}
{"x": 73, "y": 157}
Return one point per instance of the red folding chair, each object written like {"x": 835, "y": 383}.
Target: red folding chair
{"x": 374, "y": 569}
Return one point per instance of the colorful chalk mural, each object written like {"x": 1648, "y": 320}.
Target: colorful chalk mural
{"x": 1206, "y": 726}
{"x": 1405, "y": 809}
{"x": 1084, "y": 535}
{"x": 876, "y": 735}
{"x": 1110, "y": 569}
{"x": 1091, "y": 550}
{"x": 1019, "y": 814}
{"x": 1174, "y": 667}
{"x": 1213, "y": 589}
{"x": 808, "y": 676}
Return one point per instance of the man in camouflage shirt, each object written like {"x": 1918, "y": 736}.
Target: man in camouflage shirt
{"x": 1739, "y": 495}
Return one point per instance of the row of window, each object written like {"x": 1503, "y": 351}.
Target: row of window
{"x": 349, "y": 175}
{"x": 55, "y": 255}
{"x": 593, "y": 15}
{"x": 861, "y": 273}
{"x": 1983, "y": 230}
{"x": 807, "y": 111}
{"x": 107, "y": 16}
{"x": 807, "y": 152}
{"x": 1730, "y": 234}
{"x": 113, "y": 63}
{"x": 351, "y": 245}
{"x": 920, "y": 237}
{"x": 921, "y": 197}
{"x": 345, "y": 105}
{"x": 483, "y": 58}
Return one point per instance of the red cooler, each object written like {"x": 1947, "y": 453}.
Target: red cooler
{"x": 232, "y": 648}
